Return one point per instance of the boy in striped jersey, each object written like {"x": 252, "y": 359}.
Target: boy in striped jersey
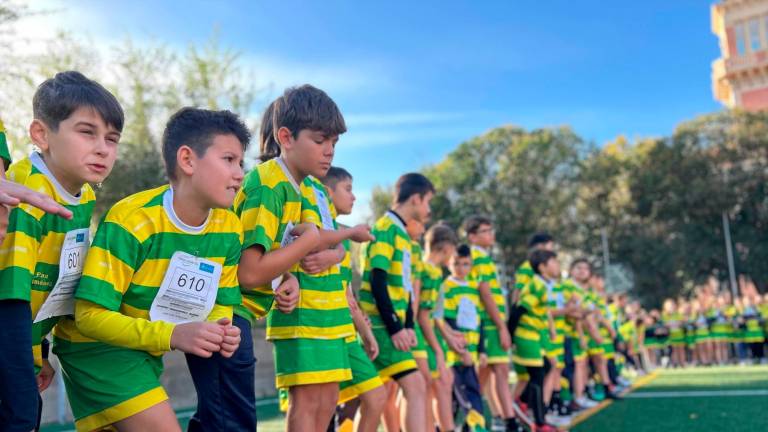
{"x": 311, "y": 357}
{"x": 366, "y": 385}
{"x": 386, "y": 294}
{"x": 439, "y": 245}
{"x": 161, "y": 274}
{"x": 498, "y": 342}
{"x": 530, "y": 321}
{"x": 76, "y": 127}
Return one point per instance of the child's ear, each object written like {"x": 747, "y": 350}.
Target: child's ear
{"x": 284, "y": 137}
{"x": 39, "y": 134}
{"x": 186, "y": 160}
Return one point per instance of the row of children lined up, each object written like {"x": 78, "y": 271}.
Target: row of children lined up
{"x": 710, "y": 329}
{"x": 174, "y": 268}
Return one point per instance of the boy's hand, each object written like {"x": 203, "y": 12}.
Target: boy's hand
{"x": 361, "y": 233}
{"x": 320, "y": 261}
{"x": 199, "y": 338}
{"x": 583, "y": 343}
{"x": 412, "y": 337}
{"x": 45, "y": 377}
{"x": 456, "y": 342}
{"x": 446, "y": 374}
{"x": 287, "y": 294}
{"x": 370, "y": 345}
{"x": 402, "y": 340}
{"x": 231, "y": 338}
{"x": 303, "y": 229}
{"x": 483, "y": 360}
{"x": 504, "y": 339}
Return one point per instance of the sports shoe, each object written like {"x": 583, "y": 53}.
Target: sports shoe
{"x": 498, "y": 425}
{"x": 512, "y": 425}
{"x": 623, "y": 382}
{"x": 612, "y": 394}
{"x": 576, "y": 407}
{"x": 587, "y": 402}
{"x": 558, "y": 421}
{"x": 546, "y": 428}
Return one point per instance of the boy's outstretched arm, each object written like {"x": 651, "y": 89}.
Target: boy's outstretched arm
{"x": 258, "y": 268}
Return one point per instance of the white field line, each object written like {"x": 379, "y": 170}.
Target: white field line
{"x": 702, "y": 393}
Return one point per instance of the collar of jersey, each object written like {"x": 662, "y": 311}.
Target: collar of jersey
{"x": 168, "y": 207}
{"x": 481, "y": 249}
{"x": 396, "y": 219}
{"x": 457, "y": 280}
{"x": 281, "y": 163}
{"x": 39, "y": 163}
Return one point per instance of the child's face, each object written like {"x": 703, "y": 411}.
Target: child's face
{"x": 342, "y": 197}
{"x": 415, "y": 229}
{"x": 421, "y": 207}
{"x": 460, "y": 266}
{"x": 444, "y": 253}
{"x": 580, "y": 272}
{"x": 82, "y": 150}
{"x": 218, "y": 174}
{"x": 485, "y": 236}
{"x": 311, "y": 152}
{"x": 551, "y": 269}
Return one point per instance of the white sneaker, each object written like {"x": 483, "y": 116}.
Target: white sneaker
{"x": 587, "y": 402}
{"x": 557, "y": 420}
{"x": 623, "y": 381}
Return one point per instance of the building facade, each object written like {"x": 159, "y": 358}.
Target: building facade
{"x": 740, "y": 75}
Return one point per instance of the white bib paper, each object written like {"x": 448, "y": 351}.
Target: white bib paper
{"x": 61, "y": 300}
{"x": 286, "y": 240}
{"x": 466, "y": 317}
{"x": 325, "y": 211}
{"x": 188, "y": 291}
{"x": 407, "y": 282}
{"x": 559, "y": 301}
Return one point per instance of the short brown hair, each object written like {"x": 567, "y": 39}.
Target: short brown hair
{"x": 473, "y": 223}
{"x": 439, "y": 235}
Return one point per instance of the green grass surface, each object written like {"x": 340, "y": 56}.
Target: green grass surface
{"x": 688, "y": 413}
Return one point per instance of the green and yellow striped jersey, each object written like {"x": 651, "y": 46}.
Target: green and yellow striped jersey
{"x": 557, "y": 297}
{"x": 484, "y": 270}
{"x": 523, "y": 275}
{"x": 322, "y": 311}
{"x": 267, "y": 203}
{"x": 534, "y": 320}
{"x": 133, "y": 249}
{"x": 417, "y": 265}
{"x": 391, "y": 252}
{"x": 458, "y": 292}
{"x": 31, "y": 251}
{"x": 431, "y": 278}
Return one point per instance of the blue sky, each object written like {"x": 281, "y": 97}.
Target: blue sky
{"x": 415, "y": 79}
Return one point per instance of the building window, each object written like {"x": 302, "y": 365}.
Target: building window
{"x": 741, "y": 42}
{"x": 754, "y": 35}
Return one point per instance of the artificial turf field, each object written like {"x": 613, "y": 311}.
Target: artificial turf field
{"x": 731, "y": 399}
{"x": 728, "y": 398}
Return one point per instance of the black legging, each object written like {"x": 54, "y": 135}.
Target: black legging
{"x": 757, "y": 350}
{"x": 534, "y": 392}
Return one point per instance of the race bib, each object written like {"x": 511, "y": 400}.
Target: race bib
{"x": 325, "y": 212}
{"x": 559, "y": 301}
{"x": 286, "y": 240}
{"x": 61, "y": 300}
{"x": 407, "y": 282}
{"x": 466, "y": 317}
{"x": 188, "y": 291}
